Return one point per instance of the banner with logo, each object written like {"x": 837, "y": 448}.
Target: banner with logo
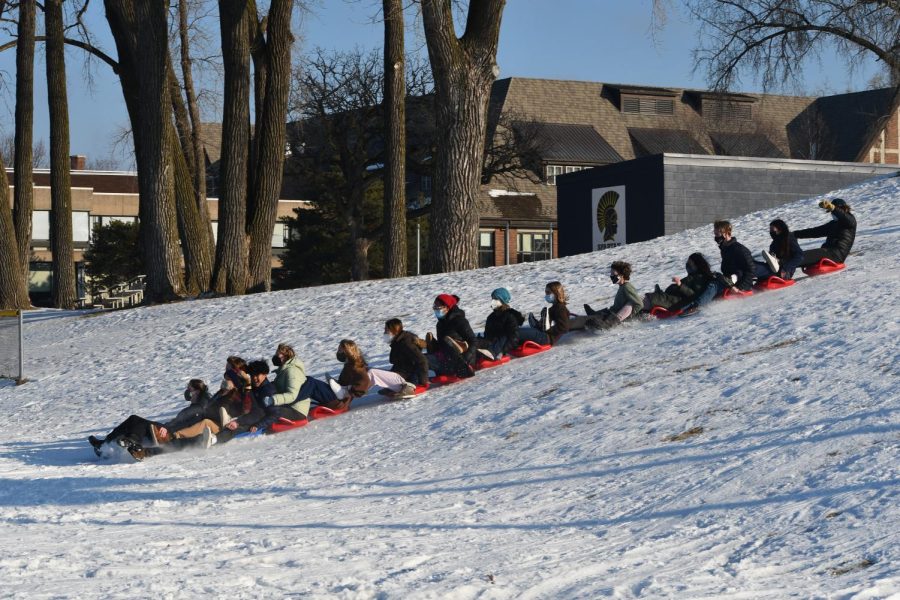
{"x": 608, "y": 210}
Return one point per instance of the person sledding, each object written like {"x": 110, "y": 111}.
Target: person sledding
{"x": 451, "y": 351}
{"x": 839, "y": 234}
{"x": 737, "y": 271}
{"x": 683, "y": 290}
{"x": 553, "y": 322}
{"x": 406, "y": 358}
{"x": 357, "y": 378}
{"x": 501, "y": 327}
{"x": 784, "y": 254}
{"x": 626, "y": 305}
{"x": 137, "y": 434}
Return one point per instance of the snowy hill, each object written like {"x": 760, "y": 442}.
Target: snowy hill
{"x": 561, "y": 475}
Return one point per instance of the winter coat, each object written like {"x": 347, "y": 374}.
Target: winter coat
{"x": 839, "y": 234}
{"x": 737, "y": 260}
{"x": 289, "y": 378}
{"x": 455, "y": 325}
{"x": 191, "y": 414}
{"x": 503, "y": 323}
{"x": 407, "y": 359}
{"x": 794, "y": 257}
{"x": 691, "y": 286}
{"x": 257, "y": 410}
{"x": 625, "y": 295}
{"x": 559, "y": 319}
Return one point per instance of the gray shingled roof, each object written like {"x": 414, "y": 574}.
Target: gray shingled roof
{"x": 649, "y": 141}
{"x": 563, "y": 142}
{"x": 853, "y": 119}
{"x": 744, "y": 144}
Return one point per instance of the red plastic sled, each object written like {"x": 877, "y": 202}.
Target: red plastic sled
{"x": 663, "y": 313}
{"x": 444, "y": 379}
{"x": 283, "y": 424}
{"x": 320, "y": 412}
{"x": 774, "y": 283}
{"x": 826, "y": 265}
{"x": 484, "y": 363}
{"x": 734, "y": 293}
{"x": 529, "y": 348}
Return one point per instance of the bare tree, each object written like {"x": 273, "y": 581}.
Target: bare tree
{"x": 394, "y": 140}
{"x": 61, "y": 244}
{"x": 23, "y": 163}
{"x": 464, "y": 69}
{"x": 771, "y": 38}
{"x": 810, "y": 135}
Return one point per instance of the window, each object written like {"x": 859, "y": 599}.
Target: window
{"x": 486, "y": 249}
{"x": 81, "y": 226}
{"x": 215, "y": 228}
{"x": 533, "y": 246}
{"x": 280, "y": 235}
{"x": 571, "y": 169}
{"x": 40, "y": 225}
{"x": 552, "y": 172}
{"x": 648, "y": 106}
{"x": 104, "y": 220}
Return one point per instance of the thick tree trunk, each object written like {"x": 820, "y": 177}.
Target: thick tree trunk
{"x": 158, "y": 232}
{"x": 274, "y": 66}
{"x": 359, "y": 270}
{"x": 463, "y": 70}
{"x": 23, "y": 180}
{"x": 231, "y": 267}
{"x": 395, "y": 141}
{"x": 13, "y": 293}
{"x": 198, "y": 164}
{"x": 64, "y": 294}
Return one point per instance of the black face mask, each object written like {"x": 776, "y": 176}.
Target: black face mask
{"x": 614, "y": 278}
{"x": 341, "y": 356}
{"x": 690, "y": 268}
{"x": 276, "y": 360}
{"x": 720, "y": 239}
{"x": 774, "y": 234}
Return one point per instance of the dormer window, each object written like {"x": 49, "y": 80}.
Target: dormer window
{"x": 635, "y": 100}
{"x": 724, "y": 110}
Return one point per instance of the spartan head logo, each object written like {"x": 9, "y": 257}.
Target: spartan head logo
{"x": 607, "y": 217}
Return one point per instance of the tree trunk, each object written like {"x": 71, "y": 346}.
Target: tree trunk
{"x": 198, "y": 164}
{"x": 23, "y": 180}
{"x": 64, "y": 295}
{"x": 463, "y": 70}
{"x": 268, "y": 164}
{"x": 158, "y": 232}
{"x": 193, "y": 223}
{"x": 359, "y": 271}
{"x": 13, "y": 293}
{"x": 395, "y": 141}
{"x": 231, "y": 267}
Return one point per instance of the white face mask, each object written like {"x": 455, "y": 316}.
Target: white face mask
{"x": 388, "y": 338}
{"x": 495, "y": 304}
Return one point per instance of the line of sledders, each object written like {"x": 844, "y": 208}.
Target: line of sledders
{"x": 249, "y": 403}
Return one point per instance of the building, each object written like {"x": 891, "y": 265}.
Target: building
{"x": 99, "y": 197}
{"x": 577, "y": 125}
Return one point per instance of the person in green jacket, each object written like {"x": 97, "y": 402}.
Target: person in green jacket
{"x": 288, "y": 402}
{"x": 626, "y": 305}
{"x": 683, "y": 290}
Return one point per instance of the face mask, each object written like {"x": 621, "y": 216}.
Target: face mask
{"x": 719, "y": 239}
{"x": 495, "y": 304}
{"x": 690, "y": 268}
{"x": 614, "y": 278}
{"x": 388, "y": 338}
{"x": 341, "y": 356}
{"x": 550, "y": 298}
{"x": 439, "y": 313}
{"x": 773, "y": 233}
{"x": 276, "y": 360}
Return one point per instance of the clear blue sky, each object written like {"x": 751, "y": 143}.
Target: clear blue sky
{"x": 592, "y": 40}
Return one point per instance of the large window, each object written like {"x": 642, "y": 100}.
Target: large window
{"x": 81, "y": 226}
{"x": 280, "y": 235}
{"x": 40, "y": 225}
{"x": 486, "y": 248}
{"x": 533, "y": 246}
{"x": 552, "y": 172}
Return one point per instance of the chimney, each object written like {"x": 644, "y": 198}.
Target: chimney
{"x": 77, "y": 162}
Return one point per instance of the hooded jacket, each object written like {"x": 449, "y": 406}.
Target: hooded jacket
{"x": 455, "y": 325}
{"x": 503, "y": 323}
{"x": 407, "y": 359}
{"x": 839, "y": 234}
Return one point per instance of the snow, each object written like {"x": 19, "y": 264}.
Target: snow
{"x": 555, "y": 476}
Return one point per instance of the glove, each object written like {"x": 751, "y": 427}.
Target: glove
{"x": 268, "y": 401}
{"x": 826, "y": 205}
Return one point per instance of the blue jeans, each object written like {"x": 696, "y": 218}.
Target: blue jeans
{"x": 317, "y": 390}
{"x": 715, "y": 288}
{"x": 530, "y": 334}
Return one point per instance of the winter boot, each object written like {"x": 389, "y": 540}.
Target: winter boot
{"x": 340, "y": 392}
{"x": 457, "y": 346}
{"x": 207, "y": 438}
{"x": 224, "y": 417}
{"x": 487, "y": 354}
{"x": 407, "y": 391}
{"x": 96, "y": 443}
{"x": 533, "y": 322}
{"x": 136, "y": 451}
{"x": 588, "y": 310}
{"x": 771, "y": 261}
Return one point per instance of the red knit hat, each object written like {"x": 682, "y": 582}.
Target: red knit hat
{"x": 447, "y": 300}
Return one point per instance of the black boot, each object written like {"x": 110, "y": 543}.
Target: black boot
{"x": 588, "y": 310}
{"x": 96, "y": 443}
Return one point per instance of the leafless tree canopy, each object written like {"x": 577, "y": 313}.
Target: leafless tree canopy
{"x": 771, "y": 38}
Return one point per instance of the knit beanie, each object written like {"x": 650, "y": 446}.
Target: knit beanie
{"x": 447, "y": 300}
{"x": 501, "y": 294}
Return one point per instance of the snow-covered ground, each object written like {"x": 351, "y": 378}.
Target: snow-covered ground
{"x": 556, "y": 476}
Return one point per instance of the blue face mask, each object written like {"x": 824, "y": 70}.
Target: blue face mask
{"x": 439, "y": 313}
{"x": 550, "y": 298}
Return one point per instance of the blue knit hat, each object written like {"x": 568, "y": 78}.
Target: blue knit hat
{"x": 501, "y": 294}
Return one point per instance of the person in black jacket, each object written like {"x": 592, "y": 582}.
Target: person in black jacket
{"x": 737, "y": 262}
{"x": 784, "y": 254}
{"x": 839, "y": 234}
{"x": 553, "y": 323}
{"x": 683, "y": 290}
{"x": 452, "y": 350}
{"x": 501, "y": 327}
{"x": 136, "y": 432}
{"x": 406, "y": 356}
